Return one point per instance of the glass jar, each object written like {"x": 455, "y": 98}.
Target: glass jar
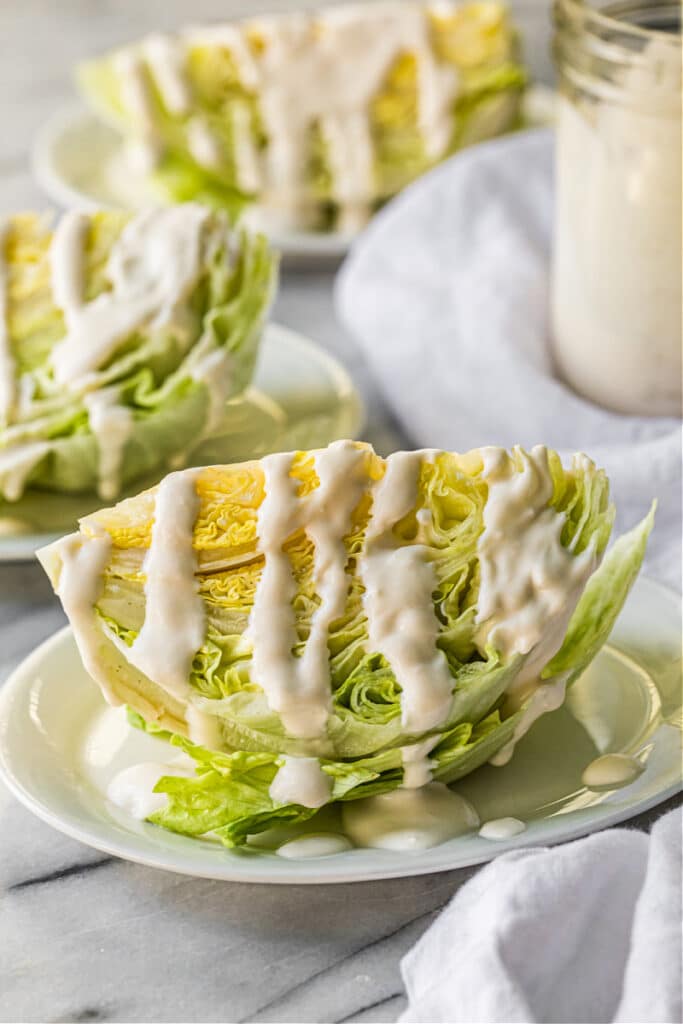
{"x": 616, "y": 290}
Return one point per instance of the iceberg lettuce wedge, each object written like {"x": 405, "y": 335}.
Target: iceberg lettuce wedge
{"x": 558, "y": 522}
{"x": 161, "y": 381}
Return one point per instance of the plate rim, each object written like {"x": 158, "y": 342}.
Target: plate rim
{"x": 19, "y": 678}
{"x": 13, "y": 552}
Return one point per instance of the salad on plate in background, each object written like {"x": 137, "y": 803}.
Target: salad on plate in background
{"x": 121, "y": 339}
{"x": 318, "y": 118}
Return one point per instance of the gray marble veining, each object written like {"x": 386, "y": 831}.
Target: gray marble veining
{"x": 85, "y": 937}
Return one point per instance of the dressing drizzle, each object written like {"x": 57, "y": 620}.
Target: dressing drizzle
{"x": 111, "y": 424}
{"x": 500, "y": 829}
{"x": 399, "y": 581}
{"x": 173, "y": 629}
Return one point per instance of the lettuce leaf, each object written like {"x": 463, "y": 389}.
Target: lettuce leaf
{"x": 601, "y": 602}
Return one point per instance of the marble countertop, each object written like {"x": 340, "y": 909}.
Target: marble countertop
{"x": 84, "y": 937}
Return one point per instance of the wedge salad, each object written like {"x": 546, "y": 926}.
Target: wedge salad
{"x": 318, "y": 117}
{"x": 331, "y": 626}
{"x": 121, "y": 338}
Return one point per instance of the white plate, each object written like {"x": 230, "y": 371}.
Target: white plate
{"x": 79, "y": 161}
{"x": 300, "y": 398}
{"x": 628, "y": 701}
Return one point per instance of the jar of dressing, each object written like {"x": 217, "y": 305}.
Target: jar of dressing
{"x": 616, "y": 290}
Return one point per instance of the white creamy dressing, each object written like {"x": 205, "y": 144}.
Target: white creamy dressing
{"x": 7, "y": 366}
{"x": 398, "y": 585}
{"x": 323, "y": 844}
{"x": 16, "y": 464}
{"x": 165, "y": 57}
{"x": 417, "y": 767}
{"x": 112, "y": 425}
{"x": 329, "y": 70}
{"x": 173, "y": 628}
{"x": 324, "y": 69}
{"x": 11, "y": 526}
{"x": 152, "y": 267}
{"x": 399, "y": 581}
{"x": 166, "y": 60}
{"x": 409, "y": 819}
{"x": 106, "y": 738}
{"x": 245, "y": 153}
{"x": 611, "y": 771}
{"x": 529, "y": 583}
{"x": 139, "y": 102}
{"x": 80, "y": 584}
{"x": 299, "y": 689}
{"x": 500, "y": 829}
{"x": 342, "y": 477}
{"x": 132, "y": 788}
{"x": 67, "y": 259}
{"x": 301, "y": 780}
{"x": 617, "y": 263}
{"x": 525, "y": 582}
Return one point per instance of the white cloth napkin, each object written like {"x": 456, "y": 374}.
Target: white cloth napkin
{"x": 447, "y": 292}
{"x": 586, "y": 932}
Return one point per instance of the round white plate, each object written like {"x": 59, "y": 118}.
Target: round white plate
{"x": 79, "y": 161}
{"x": 300, "y": 398}
{"x": 55, "y": 759}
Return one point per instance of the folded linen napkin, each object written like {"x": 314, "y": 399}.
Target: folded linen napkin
{"x": 447, "y": 293}
{"x": 586, "y": 932}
